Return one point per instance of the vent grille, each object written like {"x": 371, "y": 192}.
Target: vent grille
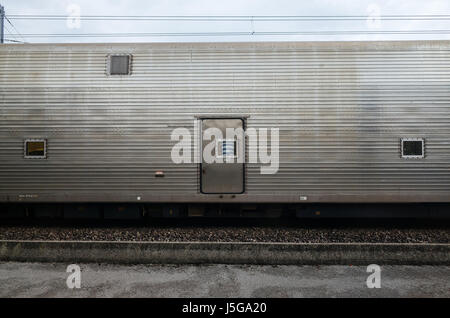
{"x": 119, "y": 65}
{"x": 413, "y": 148}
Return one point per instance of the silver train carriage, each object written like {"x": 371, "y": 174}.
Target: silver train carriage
{"x": 345, "y": 122}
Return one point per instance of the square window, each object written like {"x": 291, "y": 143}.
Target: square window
{"x": 119, "y": 64}
{"x": 413, "y": 148}
{"x": 35, "y": 149}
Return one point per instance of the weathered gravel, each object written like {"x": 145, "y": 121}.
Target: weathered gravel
{"x": 217, "y": 231}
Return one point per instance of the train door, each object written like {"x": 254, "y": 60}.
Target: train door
{"x": 226, "y": 174}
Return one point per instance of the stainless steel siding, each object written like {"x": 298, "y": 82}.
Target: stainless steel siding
{"x": 341, "y": 109}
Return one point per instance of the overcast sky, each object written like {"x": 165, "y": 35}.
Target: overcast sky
{"x": 227, "y": 7}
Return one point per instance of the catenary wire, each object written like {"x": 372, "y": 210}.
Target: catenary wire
{"x": 235, "y": 33}
{"x": 234, "y": 18}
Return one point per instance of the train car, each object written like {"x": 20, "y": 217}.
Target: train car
{"x": 312, "y": 122}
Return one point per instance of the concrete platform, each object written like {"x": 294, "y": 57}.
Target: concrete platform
{"x": 105, "y": 280}
{"x": 225, "y": 253}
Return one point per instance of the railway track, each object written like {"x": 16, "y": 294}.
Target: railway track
{"x": 229, "y": 241}
{"x": 287, "y": 230}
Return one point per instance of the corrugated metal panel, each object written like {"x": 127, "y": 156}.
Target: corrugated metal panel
{"x": 341, "y": 109}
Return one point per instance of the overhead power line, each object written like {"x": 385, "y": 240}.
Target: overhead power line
{"x": 14, "y": 41}
{"x": 251, "y": 19}
{"x": 9, "y": 32}
{"x": 15, "y": 29}
{"x": 231, "y": 18}
{"x": 243, "y": 33}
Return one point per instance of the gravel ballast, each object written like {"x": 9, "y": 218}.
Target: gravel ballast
{"x": 340, "y": 231}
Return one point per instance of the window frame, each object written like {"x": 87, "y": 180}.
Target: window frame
{"x": 402, "y": 140}
{"x": 108, "y": 64}
{"x": 25, "y": 148}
